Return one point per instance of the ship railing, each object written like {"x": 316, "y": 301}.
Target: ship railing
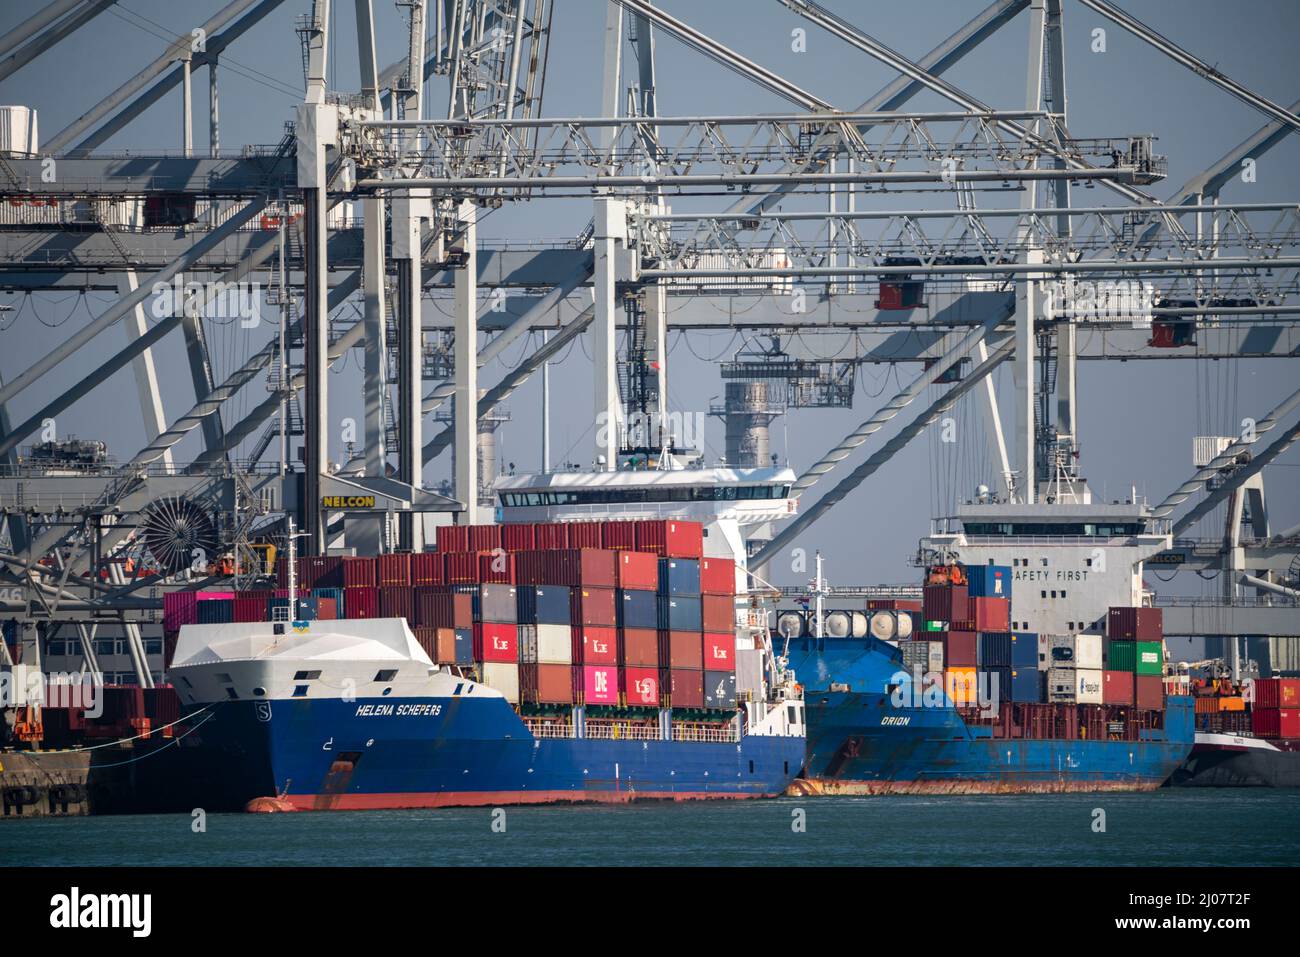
{"x": 620, "y": 730}
{"x": 1051, "y": 540}
{"x": 1269, "y": 601}
{"x": 549, "y": 729}
{"x": 724, "y": 734}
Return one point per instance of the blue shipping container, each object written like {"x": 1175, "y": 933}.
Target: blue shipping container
{"x": 1024, "y": 650}
{"x": 993, "y": 649}
{"x": 1026, "y": 684}
{"x": 680, "y": 613}
{"x": 464, "y": 646}
{"x": 679, "y": 576}
{"x": 720, "y": 690}
{"x": 637, "y": 609}
{"x": 988, "y": 581}
{"x": 544, "y": 605}
{"x": 216, "y": 611}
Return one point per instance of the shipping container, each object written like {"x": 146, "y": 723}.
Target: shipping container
{"x": 679, "y": 576}
{"x": 437, "y": 607}
{"x": 638, "y": 609}
{"x": 1140, "y": 657}
{"x": 569, "y": 566}
{"x": 669, "y": 538}
{"x": 640, "y": 686}
{"x": 464, "y": 646}
{"x": 1117, "y": 687}
{"x": 397, "y": 602}
{"x": 988, "y": 581}
{"x": 681, "y": 649}
{"x": 719, "y": 651}
{"x": 497, "y": 567}
{"x": 893, "y": 604}
{"x": 498, "y": 603}
{"x": 720, "y": 690}
{"x": 484, "y": 538}
{"x": 518, "y": 537}
{"x": 1149, "y": 692}
{"x": 1026, "y": 684}
{"x": 394, "y": 570}
{"x": 599, "y": 684}
{"x": 593, "y": 606}
{"x": 946, "y": 603}
{"x": 990, "y": 614}
{"x": 1277, "y": 692}
{"x": 717, "y": 576}
{"x": 452, "y": 538}
{"x": 959, "y": 684}
{"x": 544, "y": 604}
{"x": 637, "y": 571}
{"x": 544, "y": 683}
{"x": 327, "y": 609}
{"x": 961, "y": 649}
{"x": 503, "y": 677}
{"x": 994, "y": 684}
{"x": 686, "y": 688}
{"x": 551, "y": 535}
{"x": 320, "y": 571}
{"x": 554, "y": 644}
{"x": 640, "y": 647}
{"x": 461, "y": 568}
{"x": 718, "y": 612}
{"x": 179, "y": 608}
{"x": 1139, "y": 624}
{"x": 250, "y": 609}
{"x": 585, "y": 535}
{"x": 680, "y": 613}
{"x": 496, "y": 641}
{"x": 1276, "y": 722}
{"x": 1024, "y": 650}
{"x": 1075, "y": 651}
{"x": 595, "y": 645}
{"x": 359, "y": 572}
{"x": 1234, "y": 703}
{"x": 428, "y": 568}
{"x": 216, "y": 612}
{"x": 620, "y": 535}
{"x": 1078, "y": 685}
{"x": 993, "y": 650}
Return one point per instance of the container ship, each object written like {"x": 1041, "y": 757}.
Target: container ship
{"x": 1027, "y": 665}
{"x": 518, "y": 663}
{"x": 1247, "y": 734}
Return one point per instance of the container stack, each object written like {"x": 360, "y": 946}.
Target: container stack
{"x": 1134, "y": 654}
{"x": 1275, "y": 712}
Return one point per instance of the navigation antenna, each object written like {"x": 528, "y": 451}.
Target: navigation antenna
{"x": 291, "y": 537}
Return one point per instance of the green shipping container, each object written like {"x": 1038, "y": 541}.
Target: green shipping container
{"x": 1140, "y": 657}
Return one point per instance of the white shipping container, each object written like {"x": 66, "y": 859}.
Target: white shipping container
{"x": 18, "y": 135}
{"x": 1076, "y": 685}
{"x": 1075, "y": 651}
{"x": 502, "y": 677}
{"x": 936, "y": 657}
{"x": 554, "y": 644}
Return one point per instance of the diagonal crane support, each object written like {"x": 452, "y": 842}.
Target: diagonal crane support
{"x": 954, "y": 346}
{"x": 1197, "y": 66}
{"x": 36, "y": 23}
{"x": 724, "y": 55}
{"x": 1224, "y": 458}
{"x": 841, "y": 28}
{"x": 887, "y": 451}
{"x": 1228, "y": 166}
{"x": 1237, "y": 479}
{"x": 64, "y": 28}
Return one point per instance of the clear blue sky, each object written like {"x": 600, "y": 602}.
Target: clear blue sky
{"x": 1137, "y": 419}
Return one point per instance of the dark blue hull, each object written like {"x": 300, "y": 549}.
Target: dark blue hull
{"x": 327, "y": 754}
{"x": 862, "y": 740}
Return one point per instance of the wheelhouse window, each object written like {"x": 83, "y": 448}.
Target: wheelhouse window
{"x": 386, "y": 675}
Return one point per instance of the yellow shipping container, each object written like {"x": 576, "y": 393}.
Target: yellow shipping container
{"x": 1232, "y": 704}
{"x": 959, "y": 685}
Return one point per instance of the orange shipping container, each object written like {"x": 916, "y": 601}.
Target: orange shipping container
{"x": 1232, "y": 704}
{"x": 959, "y": 685}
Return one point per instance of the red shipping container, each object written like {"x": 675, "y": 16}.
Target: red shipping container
{"x": 595, "y": 645}
{"x": 618, "y": 535}
{"x": 437, "y": 607}
{"x": 893, "y": 604}
{"x": 1117, "y": 687}
{"x": 960, "y": 649}
{"x": 249, "y": 609}
{"x": 361, "y": 602}
{"x": 640, "y": 687}
{"x": 1149, "y": 692}
{"x": 991, "y": 614}
{"x": 394, "y": 569}
{"x": 462, "y": 568}
{"x": 484, "y": 538}
{"x": 718, "y": 613}
{"x": 551, "y": 535}
{"x": 359, "y": 572}
{"x": 719, "y": 652}
{"x": 519, "y": 537}
{"x": 681, "y": 649}
{"x": 599, "y": 684}
{"x": 1138, "y": 624}
{"x": 585, "y": 535}
{"x": 427, "y": 639}
{"x": 1276, "y": 722}
{"x": 946, "y": 602}
{"x": 640, "y": 647}
{"x": 546, "y": 684}
{"x": 327, "y": 609}
{"x": 427, "y": 568}
{"x": 496, "y": 642}
{"x": 1277, "y": 692}
{"x": 593, "y": 606}
{"x": 686, "y": 688}
{"x": 637, "y": 571}
{"x": 496, "y": 568}
{"x": 568, "y": 566}
{"x": 670, "y": 538}
{"x": 717, "y": 576}
{"x": 397, "y": 602}
{"x": 180, "y": 608}
{"x": 452, "y": 538}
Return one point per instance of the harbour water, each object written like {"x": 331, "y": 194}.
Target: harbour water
{"x": 1197, "y": 827}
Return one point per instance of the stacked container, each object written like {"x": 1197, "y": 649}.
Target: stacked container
{"x": 1276, "y": 710}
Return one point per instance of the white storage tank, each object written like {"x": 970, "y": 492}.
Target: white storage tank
{"x": 860, "y": 625}
{"x": 789, "y": 624}
{"x": 838, "y": 624}
{"x": 884, "y": 625}
{"x": 18, "y": 131}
